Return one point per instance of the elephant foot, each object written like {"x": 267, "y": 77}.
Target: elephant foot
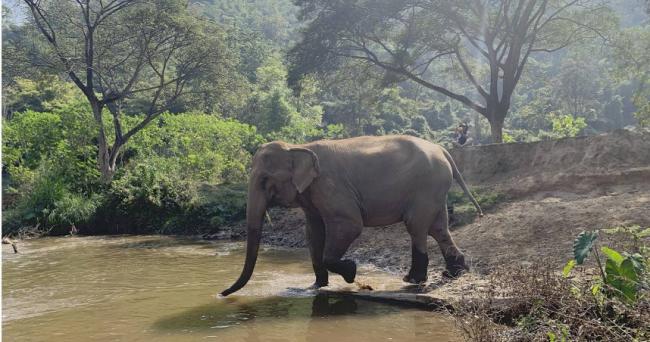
{"x": 419, "y": 264}
{"x": 414, "y": 280}
{"x": 317, "y": 285}
{"x": 453, "y": 274}
{"x": 346, "y": 268}
{"x": 322, "y": 277}
{"x": 456, "y": 267}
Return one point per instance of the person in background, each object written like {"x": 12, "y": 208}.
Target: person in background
{"x": 461, "y": 136}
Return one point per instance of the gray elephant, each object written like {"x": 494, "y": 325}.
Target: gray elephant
{"x": 344, "y": 185}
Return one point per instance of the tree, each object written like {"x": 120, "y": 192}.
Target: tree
{"x": 118, "y": 51}
{"x": 577, "y": 87}
{"x": 630, "y": 49}
{"x": 488, "y": 42}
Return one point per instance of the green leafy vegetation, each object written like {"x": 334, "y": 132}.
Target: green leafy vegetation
{"x": 624, "y": 274}
{"x": 53, "y": 175}
{"x": 567, "y": 125}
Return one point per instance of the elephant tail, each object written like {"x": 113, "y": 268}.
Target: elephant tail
{"x": 459, "y": 178}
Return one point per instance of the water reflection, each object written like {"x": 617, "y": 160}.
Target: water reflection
{"x": 233, "y": 311}
{"x": 326, "y": 305}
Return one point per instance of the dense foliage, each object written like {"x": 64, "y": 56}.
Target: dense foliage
{"x": 165, "y": 182}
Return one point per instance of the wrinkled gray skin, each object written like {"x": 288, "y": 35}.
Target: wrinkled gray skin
{"x": 344, "y": 185}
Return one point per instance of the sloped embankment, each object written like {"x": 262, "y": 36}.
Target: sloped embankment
{"x": 581, "y": 164}
{"x": 556, "y": 189}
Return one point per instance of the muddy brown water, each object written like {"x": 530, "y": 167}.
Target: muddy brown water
{"x": 153, "y": 288}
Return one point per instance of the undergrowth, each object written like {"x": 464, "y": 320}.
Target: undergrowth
{"x": 539, "y": 303}
{"x": 462, "y": 211}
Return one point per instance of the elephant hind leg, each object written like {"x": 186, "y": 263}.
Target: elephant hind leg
{"x": 419, "y": 260}
{"x": 454, "y": 258}
{"x": 339, "y": 235}
{"x": 418, "y": 222}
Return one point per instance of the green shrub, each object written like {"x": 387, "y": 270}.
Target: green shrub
{"x": 73, "y": 209}
{"x": 50, "y": 207}
{"x": 205, "y": 148}
{"x": 566, "y": 125}
{"x": 37, "y": 205}
{"x": 624, "y": 273}
{"x": 214, "y": 206}
{"x": 144, "y": 195}
{"x": 51, "y": 162}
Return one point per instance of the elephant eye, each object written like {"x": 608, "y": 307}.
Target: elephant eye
{"x": 264, "y": 181}
{"x": 268, "y": 187}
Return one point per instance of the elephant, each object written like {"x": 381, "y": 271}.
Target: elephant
{"x": 345, "y": 185}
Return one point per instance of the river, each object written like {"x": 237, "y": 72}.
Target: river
{"x": 158, "y": 288}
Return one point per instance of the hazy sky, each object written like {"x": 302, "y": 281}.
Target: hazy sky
{"x": 631, "y": 11}
{"x": 17, "y": 11}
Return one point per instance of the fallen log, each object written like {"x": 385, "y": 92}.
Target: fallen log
{"x": 8, "y": 241}
{"x": 393, "y": 297}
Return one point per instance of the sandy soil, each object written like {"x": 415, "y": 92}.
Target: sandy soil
{"x": 605, "y": 182}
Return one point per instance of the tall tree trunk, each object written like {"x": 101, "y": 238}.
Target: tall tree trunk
{"x": 477, "y": 128}
{"x": 496, "y": 128}
{"x": 104, "y": 162}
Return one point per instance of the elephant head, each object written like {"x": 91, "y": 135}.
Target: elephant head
{"x": 279, "y": 173}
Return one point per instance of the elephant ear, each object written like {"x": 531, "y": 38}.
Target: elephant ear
{"x": 305, "y": 167}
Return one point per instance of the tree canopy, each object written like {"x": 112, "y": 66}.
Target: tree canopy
{"x": 489, "y": 41}
{"x": 128, "y": 53}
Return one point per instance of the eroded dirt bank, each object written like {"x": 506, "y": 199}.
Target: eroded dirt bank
{"x": 554, "y": 189}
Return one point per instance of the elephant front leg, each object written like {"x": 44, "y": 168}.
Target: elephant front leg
{"x": 315, "y": 233}
{"x": 340, "y": 234}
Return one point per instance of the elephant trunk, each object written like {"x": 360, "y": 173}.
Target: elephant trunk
{"x": 255, "y": 209}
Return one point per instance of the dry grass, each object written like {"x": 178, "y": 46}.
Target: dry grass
{"x": 535, "y": 303}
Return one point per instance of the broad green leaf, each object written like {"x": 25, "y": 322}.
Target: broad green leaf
{"x": 582, "y": 245}
{"x": 629, "y": 280}
{"x": 568, "y": 267}
{"x": 612, "y": 277}
{"x": 637, "y": 260}
{"x": 628, "y": 271}
{"x": 622, "y": 279}
{"x": 612, "y": 254}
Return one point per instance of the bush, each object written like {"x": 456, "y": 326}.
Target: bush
{"x": 205, "y": 148}
{"x": 567, "y": 125}
{"x": 51, "y": 162}
{"x": 49, "y": 207}
{"x": 143, "y": 197}
{"x": 73, "y": 209}
{"x": 215, "y": 206}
